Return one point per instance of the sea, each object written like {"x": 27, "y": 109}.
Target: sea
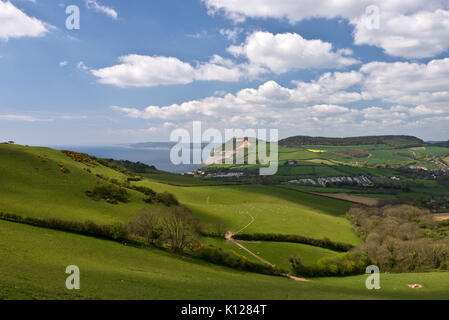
{"x": 154, "y": 153}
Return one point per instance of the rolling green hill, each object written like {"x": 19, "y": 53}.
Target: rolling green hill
{"x": 32, "y": 184}
{"x": 46, "y": 183}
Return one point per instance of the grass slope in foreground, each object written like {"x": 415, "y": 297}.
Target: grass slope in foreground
{"x": 33, "y": 262}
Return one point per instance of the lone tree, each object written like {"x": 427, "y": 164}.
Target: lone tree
{"x": 179, "y": 229}
{"x": 145, "y": 224}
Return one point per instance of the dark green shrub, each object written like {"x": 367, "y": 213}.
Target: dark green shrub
{"x": 118, "y": 231}
{"x": 111, "y": 193}
{"x": 445, "y": 265}
{"x": 133, "y": 178}
{"x": 146, "y": 191}
{"x": 166, "y": 198}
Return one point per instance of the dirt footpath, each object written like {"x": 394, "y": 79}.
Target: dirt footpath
{"x": 441, "y": 216}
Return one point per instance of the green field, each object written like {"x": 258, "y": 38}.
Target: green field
{"x": 295, "y": 154}
{"x": 324, "y": 161}
{"x": 276, "y": 253}
{"x": 274, "y": 209}
{"x": 110, "y": 270}
{"x": 393, "y": 157}
{"x": 353, "y": 191}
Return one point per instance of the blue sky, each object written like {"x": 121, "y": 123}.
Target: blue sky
{"x": 136, "y": 70}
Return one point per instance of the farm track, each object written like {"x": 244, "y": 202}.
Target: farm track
{"x": 229, "y": 237}
{"x": 441, "y": 216}
{"x": 238, "y": 244}
{"x": 250, "y": 223}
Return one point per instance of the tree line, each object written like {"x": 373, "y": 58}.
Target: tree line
{"x": 401, "y": 238}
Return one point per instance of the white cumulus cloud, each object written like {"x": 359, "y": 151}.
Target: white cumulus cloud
{"x": 231, "y": 34}
{"x": 14, "y": 23}
{"x": 264, "y": 52}
{"x": 289, "y": 51}
{"x": 95, "y": 5}
{"x": 146, "y": 71}
{"x": 408, "y": 83}
{"x": 420, "y": 35}
{"x": 411, "y": 29}
{"x": 414, "y": 99}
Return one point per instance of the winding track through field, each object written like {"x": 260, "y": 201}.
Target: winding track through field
{"x": 441, "y": 216}
{"x": 250, "y": 223}
{"x": 229, "y": 237}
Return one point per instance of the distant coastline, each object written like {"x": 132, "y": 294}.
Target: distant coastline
{"x": 153, "y": 153}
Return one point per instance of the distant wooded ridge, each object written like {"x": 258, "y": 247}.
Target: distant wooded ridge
{"x": 390, "y": 140}
{"x": 444, "y": 144}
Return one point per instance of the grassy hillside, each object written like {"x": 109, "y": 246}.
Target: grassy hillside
{"x": 273, "y": 209}
{"x": 110, "y": 270}
{"x": 32, "y": 184}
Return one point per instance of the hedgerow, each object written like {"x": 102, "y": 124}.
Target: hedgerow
{"x": 111, "y": 193}
{"x": 322, "y": 243}
{"x": 115, "y": 231}
{"x": 350, "y": 263}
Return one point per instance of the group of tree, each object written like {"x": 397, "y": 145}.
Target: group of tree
{"x": 129, "y": 166}
{"x": 401, "y": 238}
{"x": 175, "y": 227}
{"x": 394, "y": 141}
{"x": 114, "y": 191}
